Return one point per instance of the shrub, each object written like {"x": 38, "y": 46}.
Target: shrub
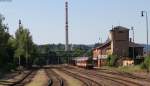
{"x": 112, "y": 60}
{"x": 146, "y": 64}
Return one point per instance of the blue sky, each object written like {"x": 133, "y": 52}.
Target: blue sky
{"x": 88, "y": 19}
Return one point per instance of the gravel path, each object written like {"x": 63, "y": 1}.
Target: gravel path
{"x": 70, "y": 80}
{"x": 40, "y": 79}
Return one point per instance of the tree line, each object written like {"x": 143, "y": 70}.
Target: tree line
{"x": 15, "y": 50}
{"x": 21, "y": 50}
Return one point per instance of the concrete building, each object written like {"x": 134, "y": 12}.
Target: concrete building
{"x": 118, "y": 44}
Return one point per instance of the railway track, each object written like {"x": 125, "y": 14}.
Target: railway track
{"x": 100, "y": 81}
{"x": 124, "y": 74}
{"x": 54, "y": 79}
{"x": 26, "y": 78}
{"x": 114, "y": 80}
{"x": 86, "y": 81}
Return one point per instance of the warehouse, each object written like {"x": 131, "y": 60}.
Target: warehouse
{"x": 118, "y": 44}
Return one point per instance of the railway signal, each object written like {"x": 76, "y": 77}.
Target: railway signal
{"x": 146, "y": 16}
{"x": 19, "y": 56}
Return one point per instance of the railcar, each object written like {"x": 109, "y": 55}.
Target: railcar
{"x": 84, "y": 62}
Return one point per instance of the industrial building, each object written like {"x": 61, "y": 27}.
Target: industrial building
{"x": 118, "y": 44}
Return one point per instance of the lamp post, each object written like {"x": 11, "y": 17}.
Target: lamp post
{"x": 142, "y": 14}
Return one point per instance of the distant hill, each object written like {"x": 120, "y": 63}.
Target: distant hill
{"x": 61, "y": 47}
{"x": 58, "y": 50}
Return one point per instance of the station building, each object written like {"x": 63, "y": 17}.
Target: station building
{"x": 118, "y": 44}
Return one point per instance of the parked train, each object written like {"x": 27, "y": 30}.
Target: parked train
{"x": 84, "y": 62}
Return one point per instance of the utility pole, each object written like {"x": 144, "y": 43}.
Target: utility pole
{"x": 7, "y": 29}
{"x": 142, "y": 14}
{"x": 100, "y": 56}
{"x": 58, "y": 60}
{"x": 19, "y": 23}
{"x": 20, "y": 69}
{"x": 19, "y": 62}
{"x": 66, "y": 26}
{"x": 19, "y": 56}
{"x": 132, "y": 28}
{"x": 26, "y": 51}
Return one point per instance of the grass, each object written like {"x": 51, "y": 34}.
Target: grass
{"x": 128, "y": 69}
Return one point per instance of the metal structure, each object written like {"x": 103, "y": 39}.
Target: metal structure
{"x": 99, "y": 58}
{"x": 19, "y": 23}
{"x": 19, "y": 56}
{"x": 142, "y": 14}
{"x": 132, "y": 28}
{"x": 66, "y": 26}
{"x": 26, "y": 51}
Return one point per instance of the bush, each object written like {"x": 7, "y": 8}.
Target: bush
{"x": 112, "y": 60}
{"x": 9, "y": 67}
{"x": 146, "y": 64}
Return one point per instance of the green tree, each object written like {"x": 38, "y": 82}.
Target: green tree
{"x": 89, "y": 53}
{"x": 79, "y": 52}
{"x": 112, "y": 60}
{"x": 24, "y": 45}
{"x": 4, "y": 37}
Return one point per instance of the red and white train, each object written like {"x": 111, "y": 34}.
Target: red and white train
{"x": 84, "y": 62}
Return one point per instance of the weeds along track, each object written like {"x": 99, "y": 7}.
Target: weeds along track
{"x": 123, "y": 74}
{"x": 86, "y": 81}
{"x": 107, "y": 80}
{"x": 26, "y": 79}
{"x": 54, "y": 79}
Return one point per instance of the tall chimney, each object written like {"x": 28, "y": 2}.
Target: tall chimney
{"x": 66, "y": 26}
